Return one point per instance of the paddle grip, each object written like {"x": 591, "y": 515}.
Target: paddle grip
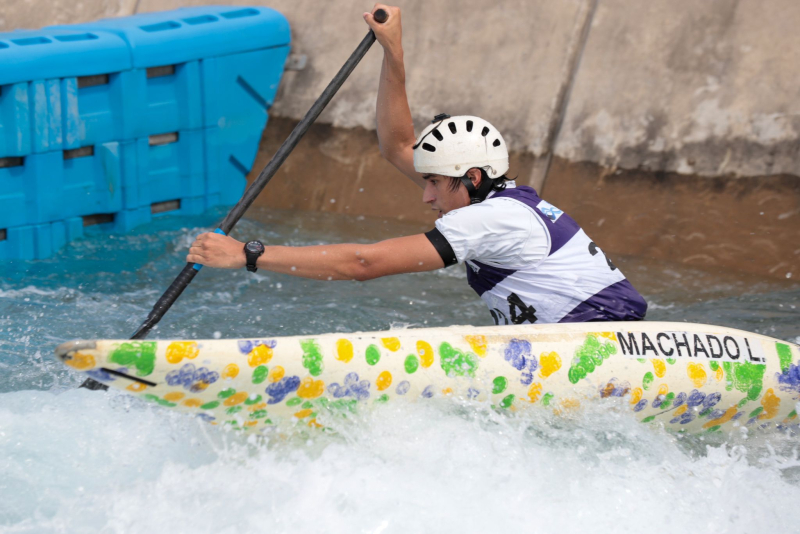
{"x": 380, "y": 16}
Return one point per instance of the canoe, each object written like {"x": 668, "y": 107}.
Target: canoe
{"x": 686, "y": 377}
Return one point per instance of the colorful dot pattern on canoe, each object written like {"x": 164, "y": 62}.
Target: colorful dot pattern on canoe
{"x": 695, "y": 380}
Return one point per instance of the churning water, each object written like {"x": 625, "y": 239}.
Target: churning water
{"x": 79, "y": 461}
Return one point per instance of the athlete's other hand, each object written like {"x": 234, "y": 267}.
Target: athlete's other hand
{"x": 389, "y": 34}
{"x": 217, "y": 250}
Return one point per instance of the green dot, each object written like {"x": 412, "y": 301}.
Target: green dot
{"x": 307, "y": 405}
{"x": 225, "y": 393}
{"x": 233, "y": 409}
{"x": 268, "y": 422}
{"x": 232, "y": 422}
{"x": 254, "y": 400}
{"x": 755, "y": 412}
{"x": 743, "y": 402}
{"x": 704, "y": 412}
{"x": 382, "y": 399}
{"x": 713, "y": 365}
{"x": 648, "y": 419}
{"x": 647, "y": 380}
{"x": 667, "y": 402}
{"x": 792, "y": 414}
{"x": 151, "y": 397}
{"x": 411, "y": 364}
{"x": 167, "y": 403}
{"x": 548, "y": 397}
{"x": 671, "y": 361}
{"x": 373, "y": 354}
{"x": 507, "y": 401}
{"x": 641, "y": 360}
{"x": 260, "y": 374}
{"x": 499, "y": 385}
{"x": 209, "y": 405}
{"x": 713, "y": 429}
{"x": 258, "y": 414}
{"x": 294, "y": 401}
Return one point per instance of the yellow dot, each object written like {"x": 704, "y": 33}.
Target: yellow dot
{"x": 719, "y": 374}
{"x": 663, "y": 389}
{"x": 313, "y": 423}
{"x": 570, "y": 403}
{"x": 608, "y": 335}
{"x": 192, "y": 403}
{"x": 344, "y": 350}
{"x": 260, "y": 355}
{"x": 231, "y": 371}
{"x": 310, "y": 388}
{"x": 550, "y": 362}
{"x": 478, "y": 344}
{"x": 136, "y": 387}
{"x": 178, "y": 350}
{"x": 236, "y": 398}
{"x": 534, "y": 392}
{"x": 697, "y": 374}
{"x": 447, "y": 391}
{"x": 636, "y": 395}
{"x": 391, "y": 343}
{"x": 174, "y": 396}
{"x": 771, "y": 404}
{"x": 276, "y": 374}
{"x": 659, "y": 367}
{"x": 250, "y": 423}
{"x": 303, "y": 413}
{"x": 82, "y": 361}
{"x": 425, "y": 352}
{"x": 384, "y": 380}
{"x": 681, "y": 410}
{"x": 256, "y": 407}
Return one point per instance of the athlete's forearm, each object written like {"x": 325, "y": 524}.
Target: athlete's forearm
{"x": 395, "y": 126}
{"x": 320, "y": 262}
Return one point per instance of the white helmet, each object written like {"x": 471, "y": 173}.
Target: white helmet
{"x": 453, "y": 145}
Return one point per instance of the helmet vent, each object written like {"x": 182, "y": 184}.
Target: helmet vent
{"x": 429, "y": 148}
{"x": 496, "y": 142}
{"x": 437, "y": 134}
{"x": 469, "y": 126}
{"x": 452, "y": 127}
{"x": 485, "y": 131}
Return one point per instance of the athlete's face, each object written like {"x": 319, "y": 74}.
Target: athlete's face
{"x": 439, "y": 194}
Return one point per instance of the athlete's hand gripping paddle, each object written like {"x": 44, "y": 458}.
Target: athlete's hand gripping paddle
{"x": 190, "y": 270}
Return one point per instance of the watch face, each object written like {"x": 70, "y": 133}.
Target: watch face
{"x": 254, "y": 247}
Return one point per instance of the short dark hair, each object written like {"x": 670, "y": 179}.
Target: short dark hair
{"x": 498, "y": 184}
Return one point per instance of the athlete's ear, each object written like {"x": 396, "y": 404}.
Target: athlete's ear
{"x": 474, "y": 176}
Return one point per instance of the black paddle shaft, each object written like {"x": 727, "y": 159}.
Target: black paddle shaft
{"x": 189, "y": 271}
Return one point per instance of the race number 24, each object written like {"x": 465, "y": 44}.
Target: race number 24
{"x": 518, "y": 312}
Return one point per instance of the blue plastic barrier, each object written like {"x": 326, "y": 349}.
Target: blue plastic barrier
{"x": 33, "y": 242}
{"x": 131, "y": 118}
{"x": 42, "y": 188}
{"x": 234, "y": 56}
{"x": 39, "y": 79}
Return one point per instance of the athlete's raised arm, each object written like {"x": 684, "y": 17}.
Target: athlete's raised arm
{"x": 395, "y": 127}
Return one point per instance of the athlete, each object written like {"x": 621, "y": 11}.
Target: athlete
{"x": 529, "y": 261}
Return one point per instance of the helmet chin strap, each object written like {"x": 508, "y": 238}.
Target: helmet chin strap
{"x": 479, "y": 194}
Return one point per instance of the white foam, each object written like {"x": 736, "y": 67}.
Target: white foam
{"x": 90, "y": 461}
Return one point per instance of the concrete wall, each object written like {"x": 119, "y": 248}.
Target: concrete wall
{"x": 680, "y": 133}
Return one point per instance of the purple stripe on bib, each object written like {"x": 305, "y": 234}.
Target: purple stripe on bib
{"x": 561, "y": 230}
{"x": 487, "y": 276}
{"x": 617, "y": 302}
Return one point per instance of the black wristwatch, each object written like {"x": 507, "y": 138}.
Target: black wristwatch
{"x": 252, "y": 251}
